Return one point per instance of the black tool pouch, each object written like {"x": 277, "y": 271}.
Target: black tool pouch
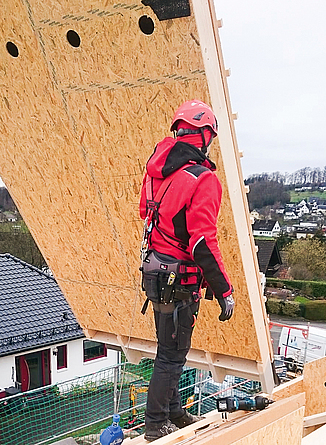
{"x": 159, "y": 276}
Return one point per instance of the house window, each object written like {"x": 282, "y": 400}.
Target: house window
{"x": 93, "y": 350}
{"x": 62, "y": 357}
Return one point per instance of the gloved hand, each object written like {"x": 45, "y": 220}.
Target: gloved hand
{"x": 227, "y": 305}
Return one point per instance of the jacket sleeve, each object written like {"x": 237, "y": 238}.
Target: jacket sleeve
{"x": 142, "y": 203}
{"x": 201, "y": 224}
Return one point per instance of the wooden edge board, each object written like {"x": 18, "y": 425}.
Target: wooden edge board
{"x": 239, "y": 425}
{"x": 288, "y": 388}
{"x": 315, "y": 419}
{"x": 212, "y": 57}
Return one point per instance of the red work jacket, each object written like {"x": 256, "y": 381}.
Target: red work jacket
{"x": 188, "y": 211}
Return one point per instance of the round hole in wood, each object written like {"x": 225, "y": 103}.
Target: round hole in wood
{"x": 146, "y": 24}
{"x": 12, "y": 49}
{"x": 73, "y": 38}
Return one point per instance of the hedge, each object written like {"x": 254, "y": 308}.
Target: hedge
{"x": 293, "y": 309}
{"x": 289, "y": 308}
{"x": 274, "y": 306}
{"x": 316, "y": 289}
{"x": 315, "y": 310}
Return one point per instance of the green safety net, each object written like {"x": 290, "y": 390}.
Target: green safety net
{"x": 83, "y": 407}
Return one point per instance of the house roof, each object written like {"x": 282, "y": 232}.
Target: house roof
{"x": 33, "y": 310}
{"x": 268, "y": 254}
{"x": 264, "y": 225}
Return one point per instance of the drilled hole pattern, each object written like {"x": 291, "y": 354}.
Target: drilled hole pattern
{"x": 146, "y": 25}
{"x": 73, "y": 38}
{"x": 12, "y": 49}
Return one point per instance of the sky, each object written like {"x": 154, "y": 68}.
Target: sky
{"x": 276, "y": 51}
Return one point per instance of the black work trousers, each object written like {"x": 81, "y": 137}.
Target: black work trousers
{"x": 163, "y": 399}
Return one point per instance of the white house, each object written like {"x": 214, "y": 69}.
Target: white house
{"x": 255, "y": 214}
{"x": 288, "y": 215}
{"x": 269, "y": 228}
{"x": 41, "y": 342}
{"x": 302, "y": 209}
{"x": 10, "y": 217}
{"x": 321, "y": 210}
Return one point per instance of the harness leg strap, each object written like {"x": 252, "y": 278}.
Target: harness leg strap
{"x": 175, "y": 322}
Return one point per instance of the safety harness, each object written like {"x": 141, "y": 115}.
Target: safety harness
{"x": 165, "y": 279}
{"x": 152, "y": 216}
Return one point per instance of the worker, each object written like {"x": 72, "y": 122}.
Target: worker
{"x": 180, "y": 200}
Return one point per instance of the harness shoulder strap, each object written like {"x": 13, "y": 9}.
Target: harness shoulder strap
{"x": 153, "y": 205}
{"x": 163, "y": 187}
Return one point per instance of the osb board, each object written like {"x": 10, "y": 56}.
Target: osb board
{"x": 78, "y": 125}
{"x": 288, "y": 389}
{"x": 313, "y": 383}
{"x": 286, "y": 430}
{"x": 280, "y": 423}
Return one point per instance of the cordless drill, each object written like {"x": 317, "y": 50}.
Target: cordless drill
{"x": 231, "y": 404}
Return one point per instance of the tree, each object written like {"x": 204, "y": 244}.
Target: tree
{"x": 264, "y": 193}
{"x": 307, "y": 259}
{"x": 22, "y": 246}
{"x": 6, "y": 202}
{"x": 283, "y": 240}
{"x": 320, "y": 235}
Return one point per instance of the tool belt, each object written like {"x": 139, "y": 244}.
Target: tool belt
{"x": 166, "y": 279}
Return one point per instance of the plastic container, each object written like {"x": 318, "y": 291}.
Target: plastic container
{"x": 113, "y": 434}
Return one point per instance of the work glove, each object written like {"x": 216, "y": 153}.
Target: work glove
{"x": 227, "y": 305}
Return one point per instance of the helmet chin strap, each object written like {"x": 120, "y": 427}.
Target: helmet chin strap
{"x": 205, "y": 146}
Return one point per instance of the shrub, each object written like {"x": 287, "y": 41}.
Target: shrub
{"x": 315, "y": 310}
{"x": 293, "y": 309}
{"x": 274, "y": 306}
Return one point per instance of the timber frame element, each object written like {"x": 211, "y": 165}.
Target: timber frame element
{"x": 89, "y": 90}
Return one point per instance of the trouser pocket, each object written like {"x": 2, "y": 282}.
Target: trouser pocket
{"x": 185, "y": 325}
{"x": 184, "y": 337}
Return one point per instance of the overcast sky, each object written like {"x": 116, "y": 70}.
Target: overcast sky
{"x": 277, "y": 54}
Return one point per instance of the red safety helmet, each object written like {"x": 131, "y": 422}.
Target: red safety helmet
{"x": 196, "y": 113}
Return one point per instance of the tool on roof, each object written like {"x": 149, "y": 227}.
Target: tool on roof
{"x": 231, "y": 404}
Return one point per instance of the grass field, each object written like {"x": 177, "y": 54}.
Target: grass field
{"x": 299, "y": 196}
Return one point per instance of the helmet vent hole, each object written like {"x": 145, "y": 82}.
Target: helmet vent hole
{"x": 146, "y": 25}
{"x": 73, "y": 38}
{"x": 12, "y": 49}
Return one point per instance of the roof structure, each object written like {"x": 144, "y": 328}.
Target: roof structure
{"x": 269, "y": 258}
{"x": 264, "y": 225}
{"x": 33, "y": 310}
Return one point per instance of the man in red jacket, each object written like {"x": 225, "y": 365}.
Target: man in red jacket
{"x": 180, "y": 201}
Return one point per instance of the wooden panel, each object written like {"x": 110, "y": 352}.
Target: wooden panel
{"x": 289, "y": 389}
{"x": 314, "y": 382}
{"x": 280, "y": 423}
{"x": 78, "y": 124}
{"x": 287, "y": 430}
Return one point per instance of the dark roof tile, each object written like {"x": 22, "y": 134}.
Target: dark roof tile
{"x": 31, "y": 303}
